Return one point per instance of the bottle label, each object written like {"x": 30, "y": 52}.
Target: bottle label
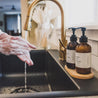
{"x": 83, "y": 60}
{"x": 70, "y": 56}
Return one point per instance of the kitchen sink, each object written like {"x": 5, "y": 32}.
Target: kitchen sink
{"x": 45, "y": 75}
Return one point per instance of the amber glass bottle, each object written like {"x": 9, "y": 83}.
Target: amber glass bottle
{"x": 83, "y": 55}
{"x": 70, "y": 52}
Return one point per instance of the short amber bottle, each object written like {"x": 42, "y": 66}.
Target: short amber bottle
{"x": 70, "y": 55}
{"x": 83, "y": 55}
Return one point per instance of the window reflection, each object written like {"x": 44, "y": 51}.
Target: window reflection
{"x": 10, "y": 17}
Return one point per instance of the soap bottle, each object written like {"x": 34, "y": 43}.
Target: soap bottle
{"x": 70, "y": 51}
{"x": 83, "y": 54}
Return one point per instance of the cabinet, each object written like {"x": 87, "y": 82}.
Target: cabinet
{"x": 81, "y": 13}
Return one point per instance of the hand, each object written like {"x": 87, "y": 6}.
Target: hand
{"x": 25, "y": 56}
{"x": 16, "y": 46}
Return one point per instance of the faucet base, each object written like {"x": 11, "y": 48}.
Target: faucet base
{"x": 62, "y": 52}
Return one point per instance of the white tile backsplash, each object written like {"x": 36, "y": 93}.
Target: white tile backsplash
{"x": 90, "y": 42}
{"x": 95, "y": 48}
{"x": 68, "y": 39}
{"x": 95, "y": 62}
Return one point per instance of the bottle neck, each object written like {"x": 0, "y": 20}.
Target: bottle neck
{"x": 73, "y": 41}
{"x": 83, "y": 43}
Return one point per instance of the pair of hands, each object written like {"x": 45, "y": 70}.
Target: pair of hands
{"x": 16, "y": 46}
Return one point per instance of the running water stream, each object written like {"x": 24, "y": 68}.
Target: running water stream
{"x": 25, "y": 71}
{"x": 25, "y": 88}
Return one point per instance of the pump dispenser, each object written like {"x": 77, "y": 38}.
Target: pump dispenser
{"x": 83, "y": 38}
{"x": 83, "y": 54}
{"x": 70, "y": 60}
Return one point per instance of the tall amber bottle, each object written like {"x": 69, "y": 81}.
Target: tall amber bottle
{"x": 70, "y": 52}
{"x": 83, "y": 55}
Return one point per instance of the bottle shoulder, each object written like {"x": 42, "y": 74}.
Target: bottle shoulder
{"x": 72, "y": 45}
{"x": 83, "y": 48}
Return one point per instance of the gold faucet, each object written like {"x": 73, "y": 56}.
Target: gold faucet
{"x": 63, "y": 41}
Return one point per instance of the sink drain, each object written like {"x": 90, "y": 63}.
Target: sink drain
{"x": 24, "y": 90}
{"x": 21, "y": 89}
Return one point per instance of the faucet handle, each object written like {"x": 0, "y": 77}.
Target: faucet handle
{"x": 61, "y": 43}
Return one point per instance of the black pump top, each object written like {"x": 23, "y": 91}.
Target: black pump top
{"x": 83, "y": 38}
{"x": 73, "y": 37}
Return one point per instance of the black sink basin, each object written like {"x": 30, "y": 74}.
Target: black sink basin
{"x": 44, "y": 77}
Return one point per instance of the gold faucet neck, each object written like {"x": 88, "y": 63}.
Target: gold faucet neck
{"x": 62, "y": 16}
{"x": 63, "y": 37}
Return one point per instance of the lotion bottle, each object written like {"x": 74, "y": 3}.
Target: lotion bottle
{"x": 70, "y": 52}
{"x": 83, "y": 54}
